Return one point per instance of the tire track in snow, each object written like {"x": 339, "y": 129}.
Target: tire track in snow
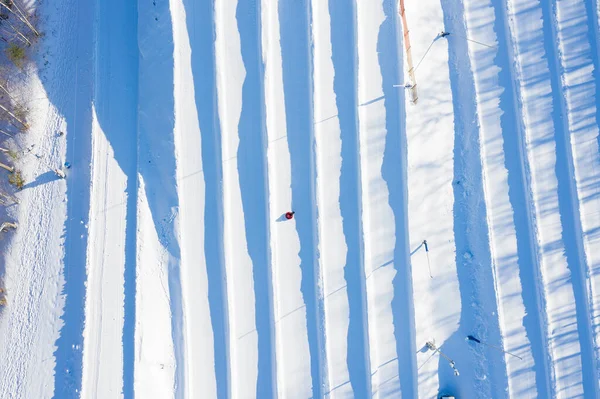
{"x": 201, "y": 28}
{"x": 253, "y": 180}
{"x": 577, "y": 36}
{"x": 344, "y": 57}
{"x": 296, "y": 53}
{"x": 508, "y": 216}
{"x": 473, "y": 258}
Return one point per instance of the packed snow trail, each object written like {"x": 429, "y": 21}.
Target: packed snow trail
{"x": 77, "y": 111}
{"x": 293, "y": 355}
{"x": 296, "y": 55}
{"x": 473, "y": 257}
{"x": 378, "y": 213}
{"x": 243, "y": 335}
{"x": 253, "y": 182}
{"x": 333, "y": 248}
{"x": 430, "y": 137}
{"x": 345, "y": 84}
{"x": 553, "y": 213}
{"x": 521, "y": 324}
{"x": 112, "y": 226}
{"x": 394, "y": 173}
{"x": 576, "y": 31}
{"x": 160, "y": 347}
{"x": 204, "y": 306}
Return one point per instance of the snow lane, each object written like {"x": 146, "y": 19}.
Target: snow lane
{"x": 102, "y": 350}
{"x": 204, "y": 328}
{"x": 512, "y": 257}
{"x": 333, "y": 248}
{"x": 430, "y": 137}
{"x": 378, "y": 216}
{"x": 292, "y": 351}
{"x": 77, "y": 112}
{"x": 253, "y": 181}
{"x": 296, "y": 61}
{"x": 578, "y": 48}
{"x": 550, "y": 190}
{"x": 473, "y": 257}
{"x": 394, "y": 172}
{"x": 113, "y": 212}
{"x": 343, "y": 42}
{"x": 155, "y": 368}
{"x": 243, "y": 337}
{"x": 160, "y": 346}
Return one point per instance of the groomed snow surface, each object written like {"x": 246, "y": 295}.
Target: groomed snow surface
{"x": 163, "y": 265}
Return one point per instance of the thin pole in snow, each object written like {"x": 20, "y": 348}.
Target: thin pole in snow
{"x": 474, "y": 41}
{"x": 428, "y": 262}
{"x": 472, "y": 338}
{"x": 431, "y": 345}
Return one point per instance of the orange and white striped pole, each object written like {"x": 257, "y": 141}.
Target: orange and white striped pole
{"x": 411, "y": 69}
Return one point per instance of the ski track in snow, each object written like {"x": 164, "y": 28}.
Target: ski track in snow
{"x": 576, "y": 22}
{"x": 508, "y": 215}
{"x": 333, "y": 248}
{"x": 163, "y": 265}
{"x": 243, "y": 336}
{"x": 345, "y": 84}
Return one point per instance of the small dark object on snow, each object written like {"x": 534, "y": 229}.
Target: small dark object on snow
{"x": 444, "y": 34}
{"x": 68, "y": 165}
{"x": 289, "y": 215}
{"x": 426, "y": 247}
{"x": 472, "y": 338}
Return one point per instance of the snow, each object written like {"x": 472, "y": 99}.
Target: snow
{"x": 163, "y": 265}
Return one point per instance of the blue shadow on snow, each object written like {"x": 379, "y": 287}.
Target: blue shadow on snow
{"x": 296, "y": 53}
{"x": 252, "y": 171}
{"x": 394, "y": 172}
{"x": 473, "y": 257}
{"x": 344, "y": 57}
{"x": 76, "y": 109}
{"x": 526, "y": 258}
{"x": 201, "y": 30}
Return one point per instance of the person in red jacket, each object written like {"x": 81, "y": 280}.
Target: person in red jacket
{"x": 289, "y": 215}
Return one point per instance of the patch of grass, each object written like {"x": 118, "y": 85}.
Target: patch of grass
{"x": 13, "y": 155}
{"x": 16, "y": 179}
{"x": 16, "y": 54}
